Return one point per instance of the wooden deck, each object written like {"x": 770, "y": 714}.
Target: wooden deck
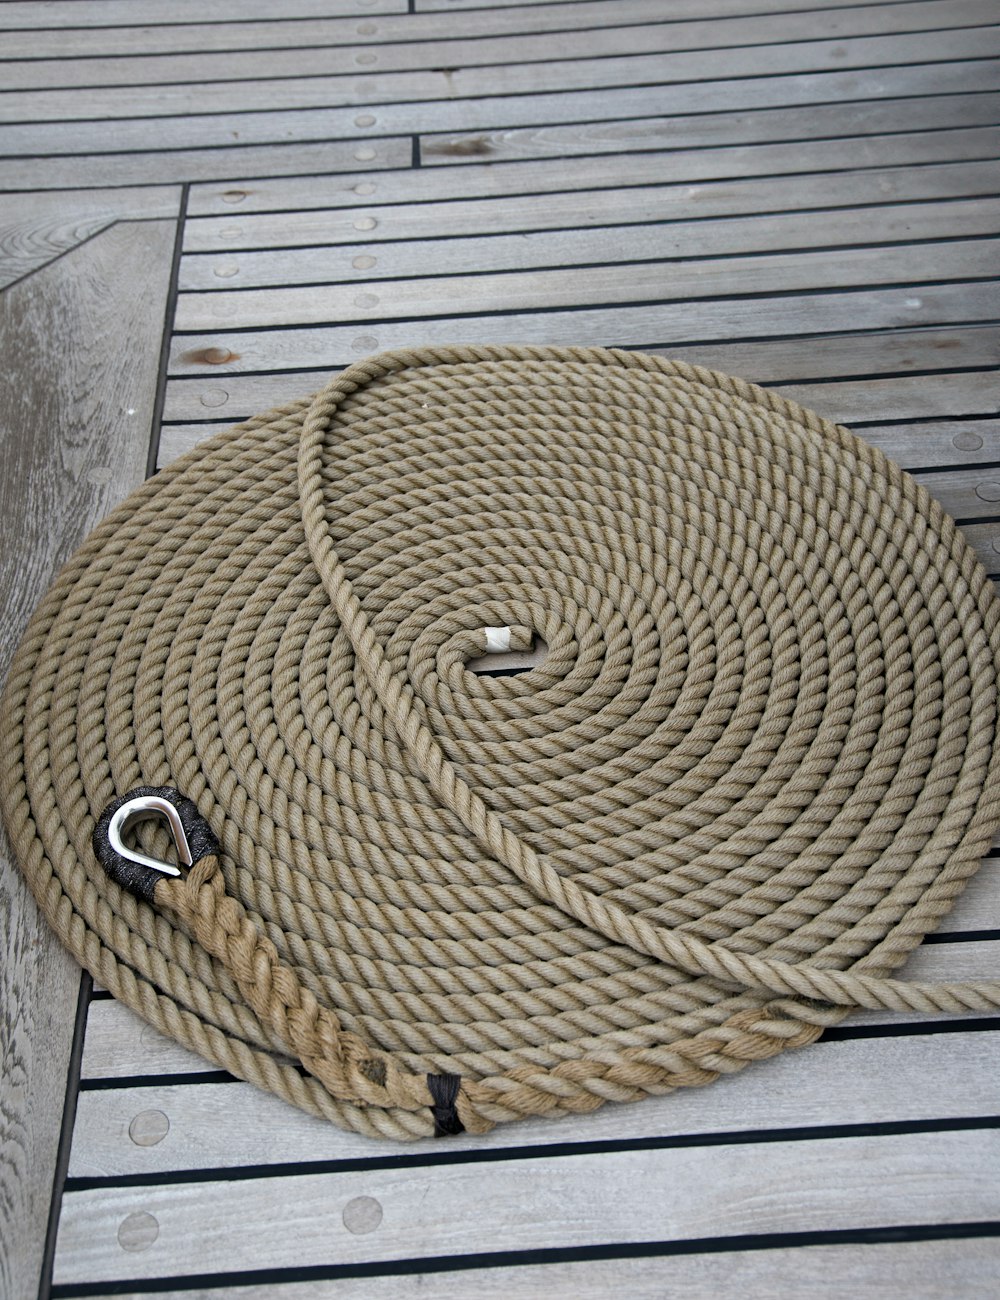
{"x": 206, "y": 210}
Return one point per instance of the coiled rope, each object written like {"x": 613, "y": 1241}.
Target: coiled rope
{"x": 756, "y": 766}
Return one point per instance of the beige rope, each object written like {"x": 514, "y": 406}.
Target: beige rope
{"x": 756, "y": 766}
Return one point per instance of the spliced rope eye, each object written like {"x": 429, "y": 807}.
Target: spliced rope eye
{"x": 757, "y": 763}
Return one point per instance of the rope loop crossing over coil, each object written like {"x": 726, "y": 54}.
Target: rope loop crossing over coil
{"x": 756, "y": 765}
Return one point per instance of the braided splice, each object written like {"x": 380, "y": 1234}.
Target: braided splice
{"x": 757, "y": 765}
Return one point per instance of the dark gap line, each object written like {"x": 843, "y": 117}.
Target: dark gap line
{"x": 495, "y": 272}
{"x": 65, "y": 1135}
{"x": 544, "y": 1151}
{"x": 112, "y": 1083}
{"x": 434, "y": 66}
{"x": 234, "y": 114}
{"x": 662, "y": 222}
{"x": 927, "y": 419}
{"x": 961, "y": 936}
{"x": 432, "y": 1264}
{"x": 101, "y": 995}
{"x": 913, "y": 1029}
{"x": 501, "y": 312}
{"x": 255, "y": 22}
{"x": 415, "y": 154}
{"x": 969, "y": 521}
{"x": 169, "y": 315}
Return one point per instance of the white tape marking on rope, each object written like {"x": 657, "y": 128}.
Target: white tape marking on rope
{"x": 497, "y": 640}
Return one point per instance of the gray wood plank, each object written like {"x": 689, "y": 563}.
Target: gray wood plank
{"x": 767, "y": 361}
{"x": 936, "y": 178}
{"x": 18, "y": 14}
{"x": 316, "y": 51}
{"x": 512, "y": 291}
{"x": 189, "y": 131}
{"x": 331, "y": 263}
{"x": 34, "y": 228}
{"x": 63, "y": 333}
{"x": 659, "y": 156}
{"x": 224, "y": 352}
{"x": 914, "y": 1270}
{"x": 560, "y": 74}
{"x": 117, "y": 169}
{"x": 424, "y": 26}
{"x": 533, "y": 1204}
{"x": 120, "y": 1132}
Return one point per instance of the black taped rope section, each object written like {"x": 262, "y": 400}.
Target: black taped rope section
{"x": 444, "y": 1092}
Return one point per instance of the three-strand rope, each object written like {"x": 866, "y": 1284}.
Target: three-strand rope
{"x": 756, "y": 766}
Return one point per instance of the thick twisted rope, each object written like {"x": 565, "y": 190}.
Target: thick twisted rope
{"x": 756, "y": 766}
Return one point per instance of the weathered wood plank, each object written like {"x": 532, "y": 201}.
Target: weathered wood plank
{"x": 263, "y": 34}
{"x": 189, "y": 131}
{"x": 331, "y": 47}
{"x": 658, "y": 326}
{"x": 117, "y": 169}
{"x": 681, "y": 281}
{"x": 507, "y": 78}
{"x": 75, "y": 429}
{"x": 914, "y": 1270}
{"x": 936, "y": 178}
{"x": 861, "y": 1081}
{"x": 332, "y": 263}
{"x": 767, "y": 361}
{"x": 23, "y": 14}
{"x": 880, "y": 134}
{"x": 533, "y": 1204}
{"x": 34, "y": 228}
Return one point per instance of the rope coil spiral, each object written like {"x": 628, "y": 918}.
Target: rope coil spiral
{"x": 757, "y": 765}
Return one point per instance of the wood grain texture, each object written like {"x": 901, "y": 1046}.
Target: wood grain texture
{"x": 74, "y": 423}
{"x": 859, "y": 1081}
{"x": 914, "y": 1270}
{"x": 327, "y": 47}
{"x": 34, "y": 228}
{"x": 626, "y": 1196}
